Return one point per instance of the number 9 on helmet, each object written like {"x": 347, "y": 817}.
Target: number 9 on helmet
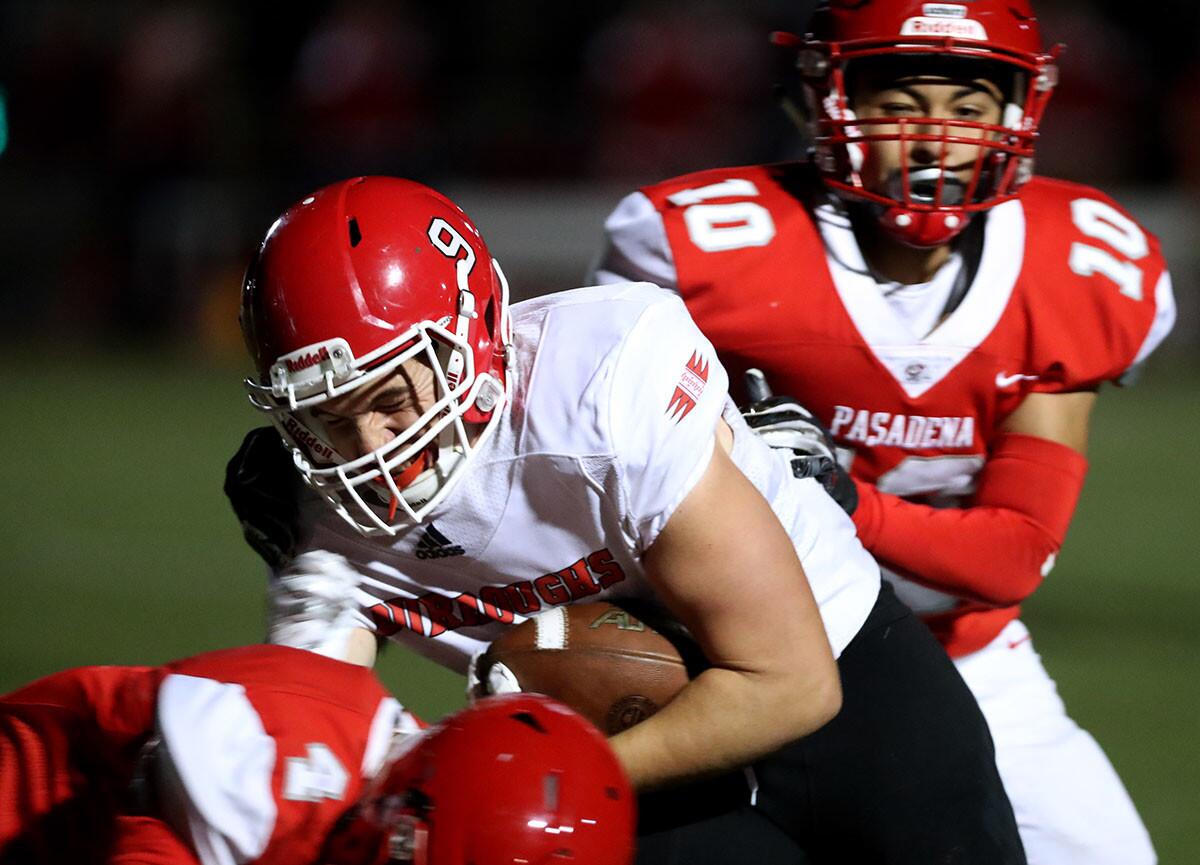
{"x": 349, "y": 283}
{"x": 518, "y": 778}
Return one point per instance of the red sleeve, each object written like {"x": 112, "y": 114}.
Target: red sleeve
{"x": 63, "y": 736}
{"x": 998, "y": 550}
{"x": 1100, "y": 294}
{"x": 118, "y": 702}
{"x": 147, "y": 841}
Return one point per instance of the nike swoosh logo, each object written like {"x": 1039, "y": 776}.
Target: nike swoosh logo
{"x": 1012, "y": 644}
{"x": 1003, "y": 381}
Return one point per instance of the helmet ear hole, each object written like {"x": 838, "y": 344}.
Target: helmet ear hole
{"x": 355, "y": 232}
{"x": 489, "y": 317}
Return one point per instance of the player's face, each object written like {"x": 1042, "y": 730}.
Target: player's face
{"x": 371, "y": 416}
{"x": 923, "y": 99}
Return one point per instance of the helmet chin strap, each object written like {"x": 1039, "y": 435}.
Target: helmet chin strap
{"x": 922, "y": 229}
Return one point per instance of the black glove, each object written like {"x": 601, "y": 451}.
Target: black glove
{"x": 786, "y": 425}
{"x": 266, "y": 491}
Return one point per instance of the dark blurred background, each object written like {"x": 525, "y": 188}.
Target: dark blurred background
{"x": 146, "y": 146}
{"x": 149, "y": 144}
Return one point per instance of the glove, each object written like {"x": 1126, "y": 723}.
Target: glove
{"x": 266, "y": 491}
{"x": 500, "y": 679}
{"x": 313, "y": 604}
{"x": 787, "y": 426}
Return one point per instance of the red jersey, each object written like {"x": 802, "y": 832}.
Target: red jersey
{"x": 1069, "y": 292}
{"x": 267, "y": 747}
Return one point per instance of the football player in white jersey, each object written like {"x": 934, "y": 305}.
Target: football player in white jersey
{"x": 477, "y": 464}
{"x": 948, "y": 317}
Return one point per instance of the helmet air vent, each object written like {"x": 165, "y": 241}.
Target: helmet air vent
{"x": 529, "y": 720}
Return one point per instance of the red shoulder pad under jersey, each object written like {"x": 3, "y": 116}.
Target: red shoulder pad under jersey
{"x": 1095, "y": 285}
{"x": 271, "y": 745}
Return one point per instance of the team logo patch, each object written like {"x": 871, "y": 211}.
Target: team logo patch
{"x": 690, "y": 387}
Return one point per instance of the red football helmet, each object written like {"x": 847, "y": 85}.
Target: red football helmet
{"x": 518, "y": 779}
{"x": 927, "y": 206}
{"x": 348, "y": 284}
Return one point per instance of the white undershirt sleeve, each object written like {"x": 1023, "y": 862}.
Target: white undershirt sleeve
{"x": 635, "y": 246}
{"x": 1164, "y": 321}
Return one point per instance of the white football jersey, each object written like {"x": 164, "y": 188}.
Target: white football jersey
{"x": 615, "y": 401}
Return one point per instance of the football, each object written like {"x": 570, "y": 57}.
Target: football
{"x": 602, "y": 660}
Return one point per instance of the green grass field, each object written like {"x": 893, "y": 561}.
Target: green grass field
{"x": 119, "y": 548}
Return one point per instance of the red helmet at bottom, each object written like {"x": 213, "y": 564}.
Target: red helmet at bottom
{"x": 518, "y": 778}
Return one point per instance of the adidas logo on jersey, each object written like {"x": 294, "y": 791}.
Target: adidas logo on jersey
{"x": 435, "y": 545}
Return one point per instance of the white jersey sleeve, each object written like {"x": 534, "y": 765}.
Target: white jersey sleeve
{"x": 666, "y": 395}
{"x": 635, "y": 246}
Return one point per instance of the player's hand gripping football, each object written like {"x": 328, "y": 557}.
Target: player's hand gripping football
{"x": 786, "y": 425}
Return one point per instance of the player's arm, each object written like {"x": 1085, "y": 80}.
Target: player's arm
{"x": 362, "y": 646}
{"x": 999, "y": 549}
{"x": 727, "y": 569}
{"x": 313, "y": 604}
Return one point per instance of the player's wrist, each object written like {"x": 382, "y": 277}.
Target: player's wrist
{"x": 867, "y": 516}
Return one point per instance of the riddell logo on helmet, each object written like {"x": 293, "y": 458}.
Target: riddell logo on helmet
{"x": 302, "y": 436}
{"x": 956, "y": 28}
{"x": 304, "y": 361}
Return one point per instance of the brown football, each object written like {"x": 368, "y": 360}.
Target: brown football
{"x": 599, "y": 659}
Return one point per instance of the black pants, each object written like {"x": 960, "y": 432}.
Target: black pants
{"x": 904, "y": 775}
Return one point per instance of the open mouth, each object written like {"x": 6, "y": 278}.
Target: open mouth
{"x": 928, "y": 186}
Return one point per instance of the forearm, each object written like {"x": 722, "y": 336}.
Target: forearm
{"x": 361, "y": 648}
{"x": 313, "y": 604}
{"x": 717, "y": 723}
{"x": 998, "y": 550}
{"x": 988, "y": 555}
